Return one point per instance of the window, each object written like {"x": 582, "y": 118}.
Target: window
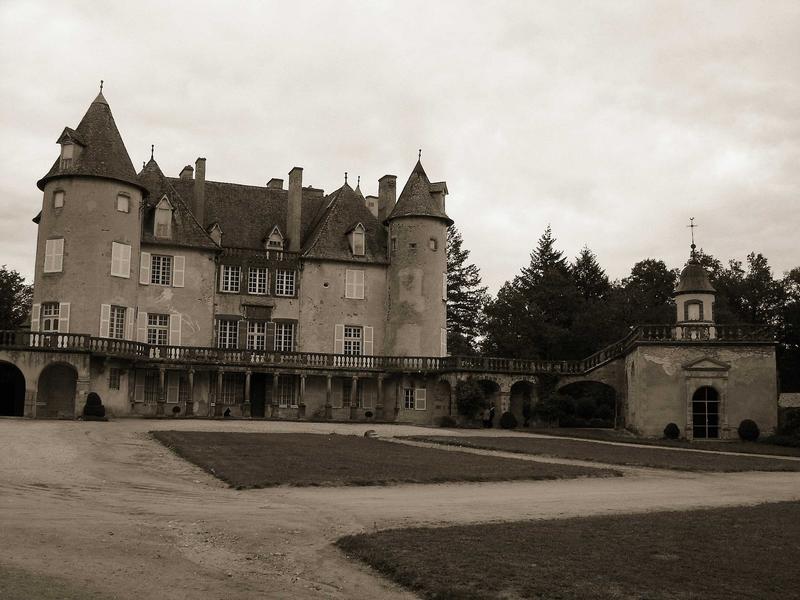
{"x": 151, "y": 385}
{"x": 54, "y": 255}
{"x": 286, "y": 395}
{"x": 394, "y": 244}
{"x": 67, "y": 154}
{"x": 284, "y": 337}
{"x": 256, "y": 335}
{"x": 113, "y": 378}
{"x": 258, "y": 280}
{"x": 352, "y": 340}
{"x": 58, "y": 199}
{"x": 232, "y": 388}
{"x": 347, "y": 389}
{"x": 123, "y": 203}
{"x": 116, "y": 322}
{"x": 120, "y": 260}
{"x": 49, "y": 318}
{"x": 412, "y": 245}
{"x": 693, "y": 310}
{"x": 433, "y": 244}
{"x": 275, "y": 239}
{"x": 183, "y": 388}
{"x": 354, "y": 284}
{"x": 705, "y": 413}
{"x": 161, "y": 270}
{"x": 157, "y": 329}
{"x": 229, "y": 278}
{"x": 357, "y": 240}
{"x": 228, "y": 334}
{"x": 162, "y": 221}
{"x": 408, "y": 398}
{"x": 284, "y": 283}
{"x": 415, "y": 398}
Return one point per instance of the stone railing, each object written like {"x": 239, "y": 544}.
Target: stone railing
{"x": 198, "y": 355}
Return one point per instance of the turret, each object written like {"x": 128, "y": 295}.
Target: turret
{"x": 89, "y": 231}
{"x": 417, "y": 275}
{"x": 694, "y": 298}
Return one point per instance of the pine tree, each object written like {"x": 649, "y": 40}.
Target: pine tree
{"x": 590, "y": 279}
{"x": 466, "y": 297}
{"x": 544, "y": 259}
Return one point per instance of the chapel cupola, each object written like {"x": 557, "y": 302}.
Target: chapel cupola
{"x": 694, "y": 295}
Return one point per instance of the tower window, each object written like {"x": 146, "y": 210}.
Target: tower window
{"x": 394, "y": 244}
{"x": 50, "y": 314}
{"x": 123, "y": 203}
{"x": 693, "y": 310}
{"x": 58, "y": 199}
{"x": 67, "y": 154}
{"x": 433, "y": 244}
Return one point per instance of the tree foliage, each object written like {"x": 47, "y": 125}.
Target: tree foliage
{"x": 466, "y": 297}
{"x": 15, "y": 299}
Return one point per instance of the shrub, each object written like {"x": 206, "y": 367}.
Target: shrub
{"x": 176, "y": 410}
{"x": 368, "y": 414}
{"x": 470, "y": 398}
{"x": 94, "y": 406}
{"x": 783, "y": 440}
{"x": 508, "y": 420}
{"x": 597, "y": 422}
{"x": 748, "y": 430}
{"x": 672, "y": 431}
{"x": 447, "y": 421}
{"x": 789, "y": 422}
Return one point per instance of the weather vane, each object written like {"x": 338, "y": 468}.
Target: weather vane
{"x": 345, "y": 176}
{"x": 152, "y": 149}
{"x": 691, "y": 226}
{"x": 101, "y": 85}
{"x": 419, "y": 155}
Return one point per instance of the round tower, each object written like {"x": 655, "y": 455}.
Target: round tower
{"x": 417, "y": 275}
{"x": 87, "y": 252}
{"x": 694, "y": 299}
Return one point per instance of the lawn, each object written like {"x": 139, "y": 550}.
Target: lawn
{"x": 250, "y": 460}
{"x": 661, "y": 458}
{"x": 18, "y": 584}
{"x": 750, "y": 552}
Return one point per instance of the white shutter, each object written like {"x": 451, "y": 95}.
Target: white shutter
{"x": 126, "y": 260}
{"x": 130, "y": 317}
{"x": 36, "y": 311}
{"x": 444, "y": 342}
{"x": 178, "y": 270}
{"x": 221, "y": 276}
{"x": 141, "y": 327}
{"x": 105, "y": 318}
{"x": 120, "y": 260}
{"x": 58, "y": 258}
{"x": 338, "y": 339}
{"x": 354, "y": 284}
{"x": 144, "y": 268}
{"x": 444, "y": 286}
{"x": 420, "y": 399}
{"x": 349, "y": 291}
{"x": 173, "y": 382}
{"x": 63, "y": 317}
{"x": 359, "y": 285}
{"x": 368, "y": 345}
{"x": 175, "y": 329}
{"x": 54, "y": 255}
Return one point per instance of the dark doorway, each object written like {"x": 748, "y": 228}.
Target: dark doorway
{"x": 12, "y": 391}
{"x": 260, "y": 388}
{"x": 705, "y": 413}
{"x": 520, "y": 401}
{"x": 57, "y": 385}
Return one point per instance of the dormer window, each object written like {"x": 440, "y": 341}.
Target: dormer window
{"x": 275, "y": 240}
{"x": 67, "y": 154}
{"x": 216, "y": 233}
{"x": 162, "y": 222}
{"x": 357, "y": 240}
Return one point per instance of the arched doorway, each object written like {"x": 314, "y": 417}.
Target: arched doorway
{"x": 521, "y": 401}
{"x": 12, "y": 391}
{"x": 57, "y": 385}
{"x": 705, "y": 413}
{"x": 592, "y": 404}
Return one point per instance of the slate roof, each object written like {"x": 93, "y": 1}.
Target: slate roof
{"x": 103, "y": 152}
{"x": 186, "y": 231}
{"x": 694, "y": 279}
{"x": 416, "y": 201}
{"x": 344, "y": 210}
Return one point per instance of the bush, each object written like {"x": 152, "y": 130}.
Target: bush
{"x": 597, "y": 422}
{"x": 748, "y": 430}
{"x": 782, "y": 440}
{"x": 94, "y": 406}
{"x": 470, "y": 398}
{"x": 508, "y": 420}
{"x": 447, "y": 421}
{"x": 672, "y": 431}
{"x": 789, "y": 422}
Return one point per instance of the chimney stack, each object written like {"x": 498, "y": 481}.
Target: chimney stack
{"x": 387, "y": 196}
{"x": 200, "y": 191}
{"x": 275, "y": 184}
{"x": 293, "y": 210}
{"x": 187, "y": 172}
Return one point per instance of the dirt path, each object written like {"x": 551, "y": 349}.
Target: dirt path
{"x": 105, "y": 507}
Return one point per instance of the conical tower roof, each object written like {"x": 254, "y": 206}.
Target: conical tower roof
{"x": 694, "y": 279}
{"x": 103, "y": 152}
{"x": 416, "y": 200}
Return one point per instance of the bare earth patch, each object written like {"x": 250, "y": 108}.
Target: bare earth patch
{"x": 18, "y": 584}
{"x": 255, "y": 460}
{"x": 714, "y": 554}
{"x": 660, "y": 458}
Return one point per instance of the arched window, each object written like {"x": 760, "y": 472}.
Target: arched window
{"x": 705, "y": 413}
{"x": 357, "y": 245}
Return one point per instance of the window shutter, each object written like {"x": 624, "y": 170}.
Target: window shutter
{"x": 178, "y": 269}
{"x": 58, "y": 257}
{"x": 54, "y": 255}
{"x": 129, "y": 319}
{"x": 125, "y": 261}
{"x": 144, "y": 268}
{"x": 349, "y": 285}
{"x": 63, "y": 317}
{"x": 270, "y": 344}
{"x": 359, "y": 285}
{"x": 105, "y": 317}
{"x": 120, "y": 260}
{"x": 242, "y": 334}
{"x": 173, "y": 382}
{"x": 175, "y": 329}
{"x": 138, "y": 395}
{"x": 141, "y": 327}
{"x": 338, "y": 339}
{"x": 368, "y": 345}
{"x": 36, "y": 311}
{"x": 221, "y": 276}
{"x": 420, "y": 399}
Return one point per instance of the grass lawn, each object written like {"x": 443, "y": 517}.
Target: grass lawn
{"x": 249, "y": 460}
{"x": 727, "y": 446}
{"x": 750, "y": 552}
{"x": 662, "y": 458}
{"x": 17, "y": 584}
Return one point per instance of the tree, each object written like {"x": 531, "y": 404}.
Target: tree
{"x": 15, "y": 299}
{"x": 590, "y": 279}
{"x": 648, "y": 293}
{"x": 466, "y": 297}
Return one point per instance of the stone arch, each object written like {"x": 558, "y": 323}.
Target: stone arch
{"x": 521, "y": 398}
{"x": 706, "y": 413}
{"x": 57, "y": 385}
{"x": 594, "y": 401}
{"x": 12, "y": 390}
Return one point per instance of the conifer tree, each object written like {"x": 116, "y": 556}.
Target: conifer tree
{"x": 466, "y": 297}
{"x": 15, "y": 299}
{"x": 590, "y": 279}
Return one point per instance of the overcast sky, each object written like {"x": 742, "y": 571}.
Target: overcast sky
{"x": 613, "y": 121}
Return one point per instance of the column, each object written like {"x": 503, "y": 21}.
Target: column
{"x": 354, "y": 397}
{"x": 275, "y": 394}
{"x": 190, "y": 401}
{"x": 379, "y": 398}
{"x": 246, "y": 403}
{"x": 162, "y": 392}
{"x": 328, "y": 397}
{"x": 81, "y": 391}
{"x": 301, "y": 401}
{"x": 218, "y": 396}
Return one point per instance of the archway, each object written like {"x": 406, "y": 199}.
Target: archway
{"x": 12, "y": 391}
{"x": 491, "y": 392}
{"x": 705, "y": 413}
{"x": 521, "y": 401}
{"x": 57, "y": 384}
{"x": 592, "y": 404}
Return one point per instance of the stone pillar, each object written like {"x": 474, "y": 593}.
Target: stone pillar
{"x": 379, "y": 398}
{"x": 190, "y": 401}
{"x": 162, "y": 391}
{"x": 81, "y": 390}
{"x": 328, "y": 398}
{"x": 246, "y": 403}
{"x": 218, "y": 396}
{"x": 354, "y": 398}
{"x": 275, "y": 394}
{"x": 301, "y": 401}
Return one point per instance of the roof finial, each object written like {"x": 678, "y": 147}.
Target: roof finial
{"x": 345, "y": 176}
{"x": 691, "y": 226}
{"x": 152, "y": 150}
{"x": 419, "y": 154}
{"x": 359, "y": 181}
{"x": 101, "y": 86}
